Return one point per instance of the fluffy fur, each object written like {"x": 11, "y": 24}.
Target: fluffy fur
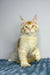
{"x": 27, "y": 50}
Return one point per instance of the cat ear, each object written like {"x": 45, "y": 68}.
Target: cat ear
{"x": 35, "y": 19}
{"x": 22, "y": 20}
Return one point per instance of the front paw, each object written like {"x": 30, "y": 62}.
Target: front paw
{"x": 38, "y": 58}
{"x": 25, "y": 64}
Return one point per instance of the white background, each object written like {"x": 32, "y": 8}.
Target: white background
{"x": 10, "y": 12}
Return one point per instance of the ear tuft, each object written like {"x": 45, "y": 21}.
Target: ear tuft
{"x": 22, "y": 20}
{"x": 35, "y": 19}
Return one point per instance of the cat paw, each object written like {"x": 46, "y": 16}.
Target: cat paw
{"x": 10, "y": 60}
{"x": 25, "y": 64}
{"x": 38, "y": 58}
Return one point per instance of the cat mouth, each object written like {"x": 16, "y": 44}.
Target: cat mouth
{"x": 30, "y": 32}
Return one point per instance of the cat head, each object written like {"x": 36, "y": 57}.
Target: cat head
{"x": 29, "y": 26}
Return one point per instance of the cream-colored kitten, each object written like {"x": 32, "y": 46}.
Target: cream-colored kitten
{"x": 27, "y": 50}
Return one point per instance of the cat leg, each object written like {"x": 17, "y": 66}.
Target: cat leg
{"x": 23, "y": 58}
{"x": 36, "y": 54}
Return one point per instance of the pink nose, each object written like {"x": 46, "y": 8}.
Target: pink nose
{"x": 29, "y": 29}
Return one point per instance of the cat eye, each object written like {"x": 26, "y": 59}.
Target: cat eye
{"x": 32, "y": 25}
{"x": 26, "y": 26}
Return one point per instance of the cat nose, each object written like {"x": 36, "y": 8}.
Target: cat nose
{"x": 29, "y": 29}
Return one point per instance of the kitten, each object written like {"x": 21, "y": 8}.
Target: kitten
{"x": 27, "y": 49}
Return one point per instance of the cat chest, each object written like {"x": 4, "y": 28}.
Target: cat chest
{"x": 32, "y": 42}
{"x": 29, "y": 42}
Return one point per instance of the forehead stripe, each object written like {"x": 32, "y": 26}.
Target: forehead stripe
{"x": 29, "y": 23}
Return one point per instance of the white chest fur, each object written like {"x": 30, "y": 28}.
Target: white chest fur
{"x": 28, "y": 42}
